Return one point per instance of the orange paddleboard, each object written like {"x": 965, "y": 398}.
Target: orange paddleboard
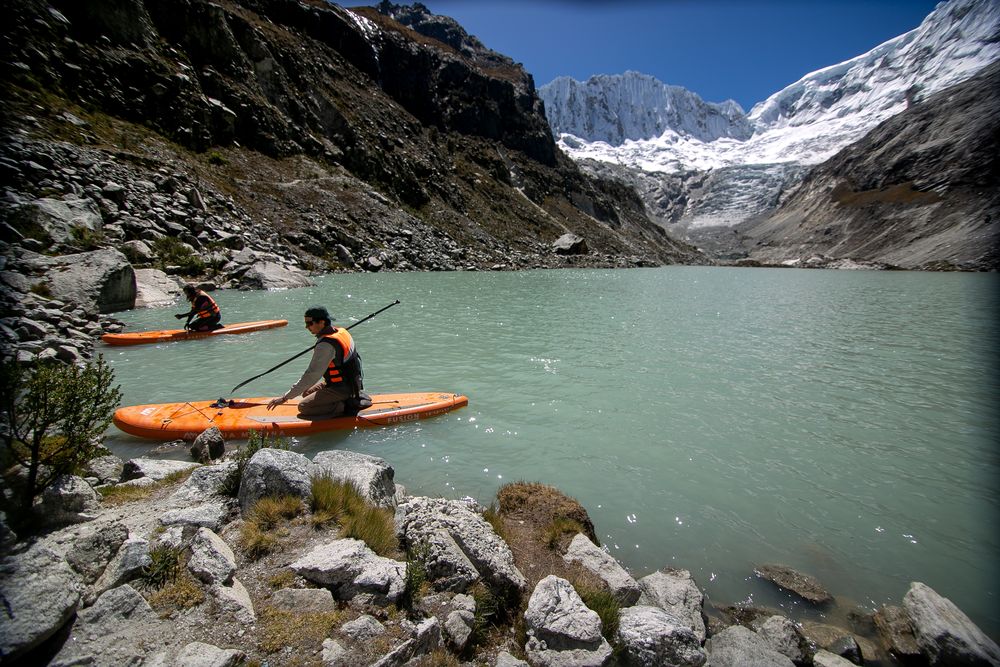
{"x": 236, "y": 418}
{"x": 167, "y": 335}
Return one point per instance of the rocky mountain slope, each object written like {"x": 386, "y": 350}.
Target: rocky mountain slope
{"x": 700, "y": 187}
{"x": 248, "y": 143}
{"x": 922, "y": 190}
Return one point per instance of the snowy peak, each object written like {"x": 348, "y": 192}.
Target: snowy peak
{"x": 633, "y": 106}
{"x": 954, "y": 42}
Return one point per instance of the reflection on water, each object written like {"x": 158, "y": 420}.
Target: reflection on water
{"x": 841, "y": 423}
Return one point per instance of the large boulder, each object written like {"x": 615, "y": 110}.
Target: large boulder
{"x": 274, "y": 276}
{"x": 594, "y": 559}
{"x": 53, "y": 221}
{"x": 944, "y": 632}
{"x": 101, "y": 280}
{"x": 349, "y": 568}
{"x": 737, "y": 646}
{"x": 675, "y": 591}
{"x": 570, "y": 244}
{"x": 651, "y": 636}
{"x": 562, "y": 630}
{"x": 274, "y": 472}
{"x": 372, "y": 476}
{"x": 40, "y": 592}
{"x": 419, "y": 520}
{"x": 155, "y": 289}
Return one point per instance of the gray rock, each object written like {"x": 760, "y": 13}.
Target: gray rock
{"x": 675, "y": 591}
{"x": 561, "y": 629}
{"x": 212, "y": 561}
{"x": 784, "y": 637}
{"x": 419, "y": 519}
{"x": 204, "y": 485}
{"x": 69, "y": 499}
{"x": 351, "y": 569}
{"x": 896, "y": 631}
{"x": 824, "y": 658}
{"x": 305, "y": 600}
{"x": 335, "y": 655}
{"x": 505, "y": 659}
{"x": 199, "y": 654}
{"x": 651, "y": 636}
{"x": 127, "y": 564}
{"x": 154, "y": 288}
{"x": 458, "y": 628}
{"x": 101, "y": 280}
{"x": 274, "y": 276}
{"x": 235, "y": 599}
{"x": 944, "y": 632}
{"x": 108, "y": 469}
{"x": 154, "y": 469}
{"x": 737, "y": 646}
{"x": 93, "y": 547}
{"x": 372, "y": 476}
{"x": 805, "y": 586}
{"x": 363, "y": 628}
{"x": 122, "y": 603}
{"x": 209, "y": 445}
{"x": 427, "y": 637}
{"x": 274, "y": 472}
{"x": 594, "y": 559}
{"x": 56, "y": 218}
{"x": 570, "y": 244}
{"x": 212, "y": 515}
{"x": 40, "y": 593}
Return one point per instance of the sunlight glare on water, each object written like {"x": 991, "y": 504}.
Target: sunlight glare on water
{"x": 842, "y": 423}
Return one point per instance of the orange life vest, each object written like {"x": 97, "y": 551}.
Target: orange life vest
{"x": 208, "y": 310}
{"x": 349, "y": 368}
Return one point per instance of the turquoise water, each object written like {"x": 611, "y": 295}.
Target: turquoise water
{"x": 842, "y": 423}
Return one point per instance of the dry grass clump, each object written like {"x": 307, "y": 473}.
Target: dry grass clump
{"x": 341, "y": 502}
{"x": 281, "y": 579}
{"x": 183, "y": 592}
{"x": 270, "y": 511}
{"x": 542, "y": 504}
{"x": 298, "y": 633}
{"x": 262, "y": 530}
{"x": 122, "y": 494}
{"x": 438, "y": 658}
{"x": 600, "y": 600}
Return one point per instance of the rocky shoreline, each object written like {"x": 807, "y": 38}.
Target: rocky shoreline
{"x": 460, "y": 583}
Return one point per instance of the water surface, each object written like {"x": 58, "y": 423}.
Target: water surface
{"x": 842, "y": 423}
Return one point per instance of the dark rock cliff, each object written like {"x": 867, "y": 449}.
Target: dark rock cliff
{"x": 921, "y": 190}
{"x": 311, "y": 126}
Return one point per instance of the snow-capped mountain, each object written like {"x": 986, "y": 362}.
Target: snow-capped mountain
{"x": 608, "y": 119}
{"x": 636, "y": 106}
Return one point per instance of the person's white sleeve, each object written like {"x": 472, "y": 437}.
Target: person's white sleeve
{"x": 321, "y": 358}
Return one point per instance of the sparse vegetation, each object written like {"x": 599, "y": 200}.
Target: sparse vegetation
{"x": 121, "y": 494}
{"x": 342, "y": 503}
{"x": 86, "y": 238}
{"x": 416, "y": 578}
{"x": 52, "y": 416}
{"x": 281, "y": 579}
{"x": 606, "y": 606}
{"x": 558, "y": 529}
{"x": 300, "y": 633}
{"x": 165, "y": 564}
{"x": 184, "y": 592}
{"x": 171, "y": 251}
{"x": 41, "y": 289}
{"x": 217, "y": 159}
{"x": 270, "y": 511}
{"x": 256, "y": 541}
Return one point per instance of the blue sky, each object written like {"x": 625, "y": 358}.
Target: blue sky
{"x": 719, "y": 49}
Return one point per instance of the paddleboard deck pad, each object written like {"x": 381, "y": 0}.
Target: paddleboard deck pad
{"x": 237, "y": 417}
{"x": 167, "y": 335}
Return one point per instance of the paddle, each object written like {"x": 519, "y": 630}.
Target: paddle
{"x": 308, "y": 349}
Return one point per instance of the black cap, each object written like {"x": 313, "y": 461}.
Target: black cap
{"x": 316, "y": 313}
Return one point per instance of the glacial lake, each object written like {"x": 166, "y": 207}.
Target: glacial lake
{"x": 842, "y": 423}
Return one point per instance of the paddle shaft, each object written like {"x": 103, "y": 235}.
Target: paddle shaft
{"x": 309, "y": 349}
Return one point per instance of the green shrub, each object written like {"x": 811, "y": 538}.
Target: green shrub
{"x": 416, "y": 578}
{"x": 559, "y": 527}
{"x": 165, "y": 564}
{"x": 606, "y": 606}
{"x": 217, "y": 159}
{"x": 171, "y": 251}
{"x": 53, "y": 415}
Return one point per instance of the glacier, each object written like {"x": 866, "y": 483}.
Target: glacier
{"x": 663, "y": 133}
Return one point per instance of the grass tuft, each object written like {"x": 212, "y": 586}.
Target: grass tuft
{"x": 269, "y": 511}
{"x": 301, "y": 632}
{"x": 557, "y": 529}
{"x": 165, "y": 564}
{"x": 341, "y": 502}
{"x": 183, "y": 592}
{"x": 606, "y": 606}
{"x": 257, "y": 542}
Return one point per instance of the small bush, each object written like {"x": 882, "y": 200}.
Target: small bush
{"x": 217, "y": 159}
{"x": 416, "y": 579}
{"x": 558, "y": 528}
{"x": 41, "y": 289}
{"x": 374, "y": 526}
{"x": 165, "y": 564}
{"x": 171, "y": 251}
{"x": 86, "y": 238}
{"x": 606, "y": 606}
{"x": 270, "y": 511}
{"x": 332, "y": 500}
{"x": 183, "y": 592}
{"x": 231, "y": 484}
